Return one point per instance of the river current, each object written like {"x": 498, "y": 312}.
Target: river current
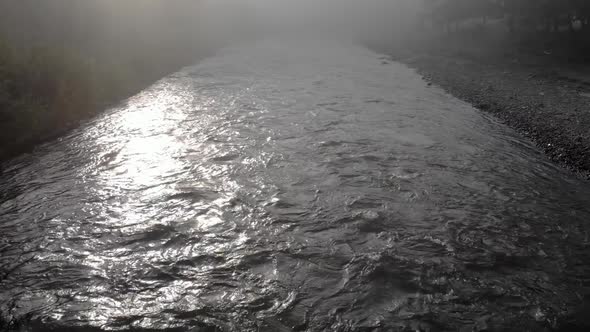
{"x": 292, "y": 186}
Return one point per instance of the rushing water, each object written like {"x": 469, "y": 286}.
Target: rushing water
{"x": 293, "y": 187}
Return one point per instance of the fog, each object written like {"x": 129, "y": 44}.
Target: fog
{"x": 152, "y": 179}
{"x": 245, "y": 19}
{"x": 94, "y": 24}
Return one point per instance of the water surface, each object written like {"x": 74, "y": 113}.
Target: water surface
{"x": 292, "y": 186}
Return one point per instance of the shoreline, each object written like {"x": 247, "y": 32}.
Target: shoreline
{"x": 546, "y": 102}
{"x": 27, "y": 142}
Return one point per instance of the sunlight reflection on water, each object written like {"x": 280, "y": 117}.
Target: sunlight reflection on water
{"x": 277, "y": 188}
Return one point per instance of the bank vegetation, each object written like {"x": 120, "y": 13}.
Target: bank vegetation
{"x": 62, "y": 61}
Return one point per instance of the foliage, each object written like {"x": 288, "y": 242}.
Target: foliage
{"x": 526, "y": 13}
{"x": 64, "y": 60}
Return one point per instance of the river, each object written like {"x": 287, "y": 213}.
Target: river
{"x": 292, "y": 186}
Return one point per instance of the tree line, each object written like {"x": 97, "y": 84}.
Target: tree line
{"x": 64, "y": 60}
{"x": 546, "y": 15}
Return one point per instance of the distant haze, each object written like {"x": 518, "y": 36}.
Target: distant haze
{"x": 99, "y": 25}
{"x": 332, "y": 18}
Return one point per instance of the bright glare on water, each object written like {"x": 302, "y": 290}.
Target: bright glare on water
{"x": 292, "y": 186}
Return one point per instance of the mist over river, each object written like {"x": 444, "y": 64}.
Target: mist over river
{"x": 292, "y": 186}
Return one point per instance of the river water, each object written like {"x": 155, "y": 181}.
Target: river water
{"x": 294, "y": 186}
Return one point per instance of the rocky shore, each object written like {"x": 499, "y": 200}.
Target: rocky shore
{"x": 545, "y": 100}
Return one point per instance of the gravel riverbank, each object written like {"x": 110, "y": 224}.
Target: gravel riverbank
{"x": 546, "y": 102}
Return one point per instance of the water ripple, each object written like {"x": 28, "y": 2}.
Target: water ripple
{"x": 292, "y": 187}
